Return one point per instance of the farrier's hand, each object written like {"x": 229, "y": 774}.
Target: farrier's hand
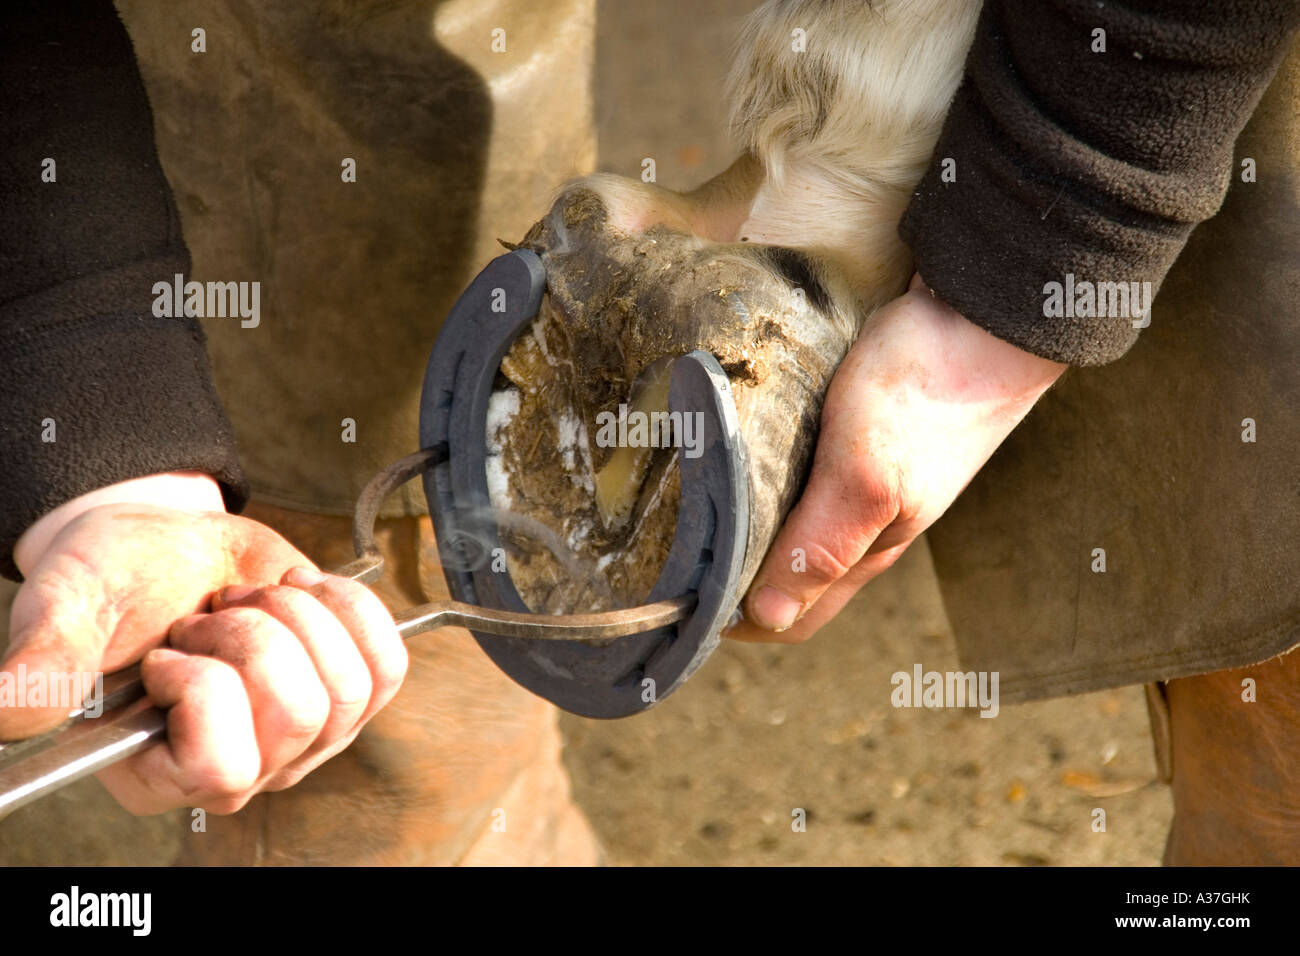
{"x": 267, "y": 666}
{"x": 915, "y": 410}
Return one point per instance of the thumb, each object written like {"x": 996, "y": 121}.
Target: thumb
{"x": 59, "y": 628}
{"x": 840, "y": 514}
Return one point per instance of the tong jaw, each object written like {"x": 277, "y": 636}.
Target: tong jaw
{"x": 633, "y": 673}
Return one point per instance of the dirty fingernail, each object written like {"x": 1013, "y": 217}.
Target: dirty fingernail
{"x": 236, "y": 592}
{"x": 181, "y": 624}
{"x": 304, "y": 577}
{"x": 774, "y": 609}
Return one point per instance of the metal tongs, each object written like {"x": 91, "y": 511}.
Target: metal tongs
{"x": 128, "y": 724}
{"x": 570, "y": 660}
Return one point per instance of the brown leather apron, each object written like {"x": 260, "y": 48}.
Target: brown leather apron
{"x": 459, "y": 135}
{"x": 1145, "y": 459}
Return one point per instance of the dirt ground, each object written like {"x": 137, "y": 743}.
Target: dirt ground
{"x": 718, "y": 773}
{"x": 715, "y": 774}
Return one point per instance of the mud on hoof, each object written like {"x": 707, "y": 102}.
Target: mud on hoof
{"x": 590, "y": 506}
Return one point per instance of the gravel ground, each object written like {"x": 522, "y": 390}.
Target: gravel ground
{"x": 716, "y": 773}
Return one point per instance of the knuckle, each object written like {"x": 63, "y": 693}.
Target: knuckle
{"x": 351, "y": 687}
{"x": 306, "y": 715}
{"x": 385, "y": 653}
{"x": 240, "y": 620}
{"x": 224, "y": 779}
{"x": 243, "y": 636}
{"x": 390, "y": 667}
{"x": 363, "y": 601}
{"x": 233, "y": 771}
{"x": 866, "y": 500}
{"x": 825, "y": 564}
{"x": 222, "y": 680}
{"x": 277, "y": 599}
{"x": 870, "y": 491}
{"x": 345, "y": 589}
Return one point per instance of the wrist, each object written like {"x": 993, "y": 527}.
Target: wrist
{"x": 179, "y": 490}
{"x": 987, "y": 366}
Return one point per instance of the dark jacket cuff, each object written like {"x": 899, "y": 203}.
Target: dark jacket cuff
{"x": 1070, "y": 167}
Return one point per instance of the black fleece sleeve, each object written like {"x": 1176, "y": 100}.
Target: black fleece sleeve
{"x": 1097, "y": 164}
{"x": 83, "y": 360}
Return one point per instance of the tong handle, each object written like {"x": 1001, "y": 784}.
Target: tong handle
{"x": 82, "y": 745}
